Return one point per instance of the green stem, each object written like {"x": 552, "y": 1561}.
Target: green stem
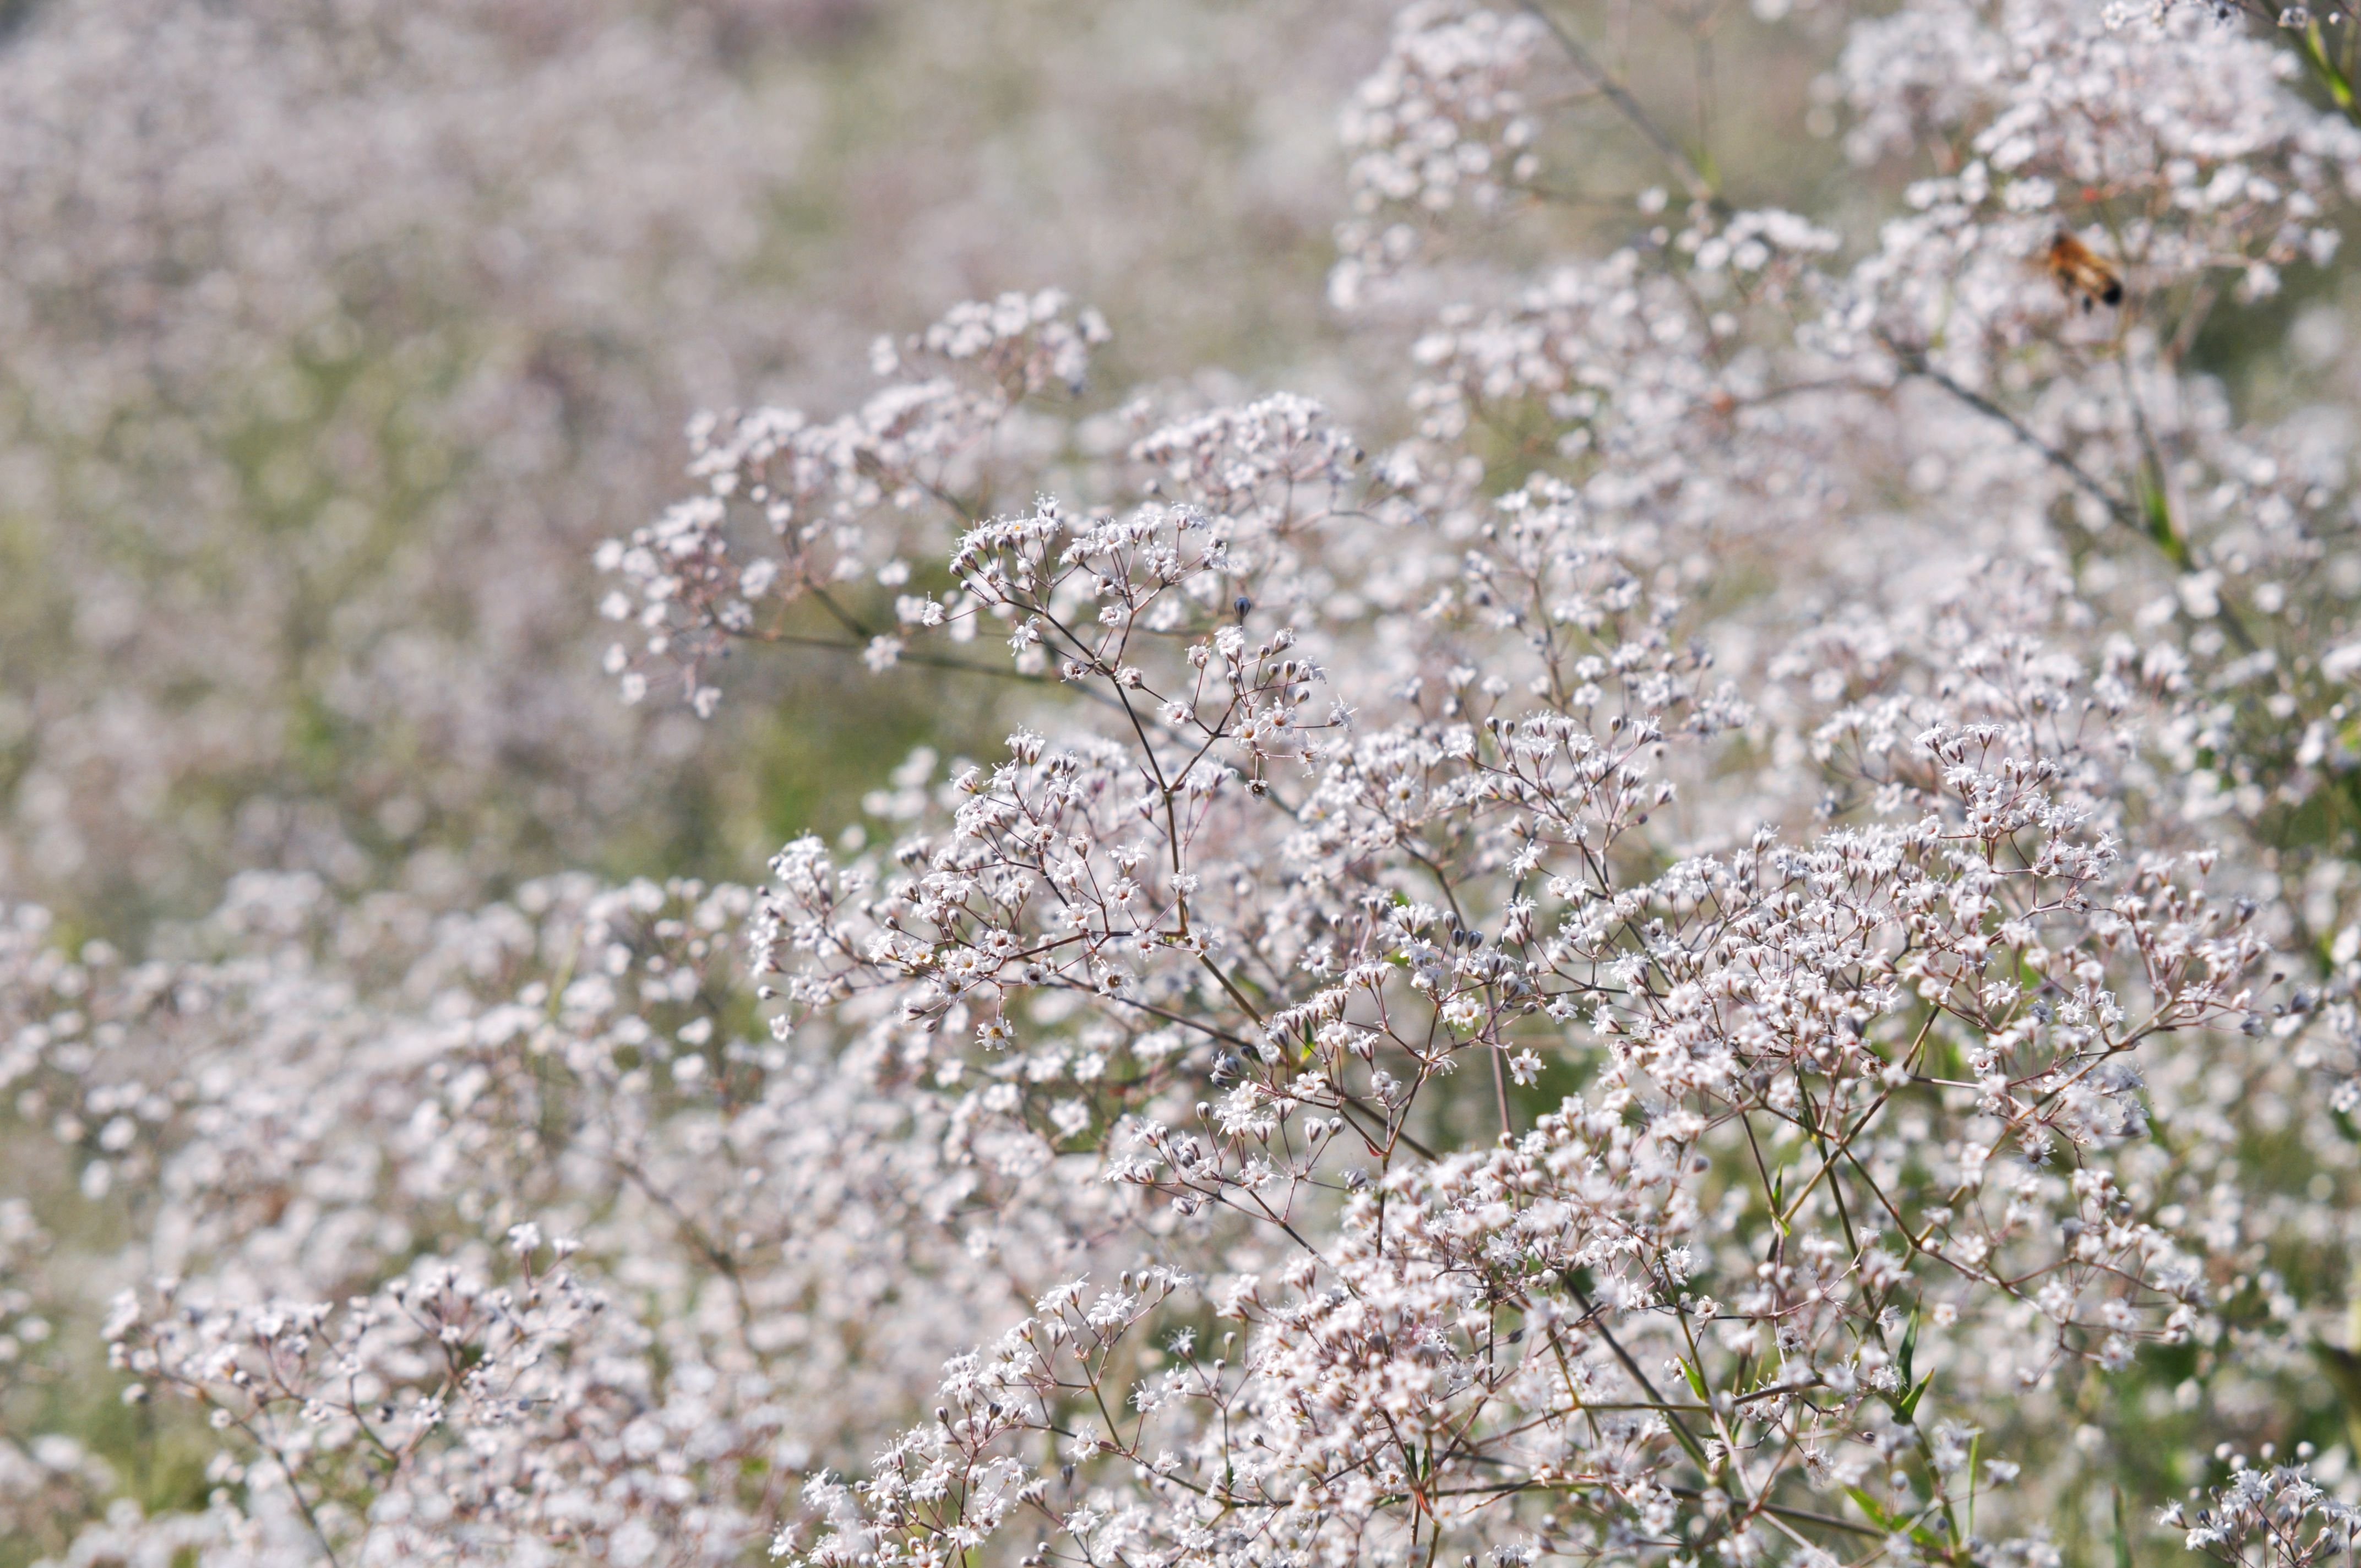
{"x": 2313, "y": 45}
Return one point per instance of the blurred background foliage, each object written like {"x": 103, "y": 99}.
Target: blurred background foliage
{"x": 336, "y": 338}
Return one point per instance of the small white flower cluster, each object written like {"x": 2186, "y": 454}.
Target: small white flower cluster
{"x": 2173, "y": 147}
{"x": 826, "y": 493}
{"x": 1444, "y": 121}
{"x": 2275, "y": 1517}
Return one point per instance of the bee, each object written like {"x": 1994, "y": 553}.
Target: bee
{"x": 2081, "y": 273}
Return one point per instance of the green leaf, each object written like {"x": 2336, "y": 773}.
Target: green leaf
{"x": 1909, "y": 1346}
{"x": 2345, "y": 1126}
{"x": 2156, "y": 511}
{"x": 1697, "y": 1383}
{"x": 1906, "y": 1406}
{"x": 1868, "y": 1505}
{"x": 2313, "y": 46}
{"x": 2123, "y": 1534}
{"x": 1974, "y": 1444}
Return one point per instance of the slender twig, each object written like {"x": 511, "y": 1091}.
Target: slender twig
{"x": 931, "y": 661}
{"x": 1591, "y": 1314}
{"x": 1917, "y": 363}
{"x": 1692, "y": 179}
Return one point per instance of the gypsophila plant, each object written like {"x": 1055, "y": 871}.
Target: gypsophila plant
{"x": 1727, "y": 936}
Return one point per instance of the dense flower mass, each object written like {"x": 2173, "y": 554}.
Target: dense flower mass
{"x": 1717, "y": 925}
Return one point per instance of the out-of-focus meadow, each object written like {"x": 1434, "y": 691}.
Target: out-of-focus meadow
{"x": 333, "y": 338}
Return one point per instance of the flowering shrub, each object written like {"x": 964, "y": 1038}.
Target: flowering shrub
{"x": 1730, "y": 939}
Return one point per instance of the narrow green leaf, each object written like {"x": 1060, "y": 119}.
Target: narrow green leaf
{"x": 1974, "y": 1446}
{"x": 1907, "y": 1406}
{"x": 1868, "y": 1505}
{"x": 2156, "y": 511}
{"x": 2313, "y": 46}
